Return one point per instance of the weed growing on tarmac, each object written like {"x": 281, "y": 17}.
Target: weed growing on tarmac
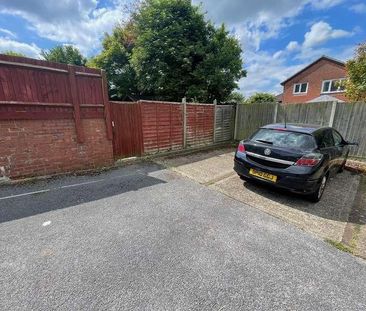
{"x": 339, "y": 245}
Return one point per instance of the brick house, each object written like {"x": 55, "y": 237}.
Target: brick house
{"x": 319, "y": 81}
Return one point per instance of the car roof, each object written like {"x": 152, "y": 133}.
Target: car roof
{"x": 293, "y": 127}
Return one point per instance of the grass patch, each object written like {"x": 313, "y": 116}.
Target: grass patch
{"x": 342, "y": 247}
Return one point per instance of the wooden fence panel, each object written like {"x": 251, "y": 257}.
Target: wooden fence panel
{"x": 127, "y": 135}
{"x": 90, "y": 92}
{"x": 350, "y": 120}
{"x": 308, "y": 113}
{"x": 200, "y": 124}
{"x": 251, "y": 117}
{"x": 224, "y": 123}
{"x": 33, "y": 89}
{"x": 162, "y": 126}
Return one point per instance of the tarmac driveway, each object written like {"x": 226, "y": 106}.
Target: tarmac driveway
{"x": 146, "y": 238}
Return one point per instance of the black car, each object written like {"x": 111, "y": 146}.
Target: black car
{"x": 296, "y": 157}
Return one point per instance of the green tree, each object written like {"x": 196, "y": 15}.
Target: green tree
{"x": 115, "y": 60}
{"x": 261, "y": 98}
{"x": 221, "y": 67}
{"x": 13, "y": 53}
{"x": 356, "y": 71}
{"x": 236, "y": 97}
{"x": 66, "y": 54}
{"x": 179, "y": 54}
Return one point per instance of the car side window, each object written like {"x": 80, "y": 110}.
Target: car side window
{"x": 328, "y": 139}
{"x": 324, "y": 139}
{"x": 338, "y": 139}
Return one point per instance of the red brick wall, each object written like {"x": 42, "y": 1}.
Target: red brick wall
{"x": 43, "y": 147}
{"x": 323, "y": 70}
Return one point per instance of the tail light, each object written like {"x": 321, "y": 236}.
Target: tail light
{"x": 311, "y": 159}
{"x": 241, "y": 147}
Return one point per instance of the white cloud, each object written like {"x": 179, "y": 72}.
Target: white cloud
{"x": 358, "y": 8}
{"x": 311, "y": 48}
{"x": 237, "y": 11}
{"x": 256, "y": 21}
{"x": 253, "y": 21}
{"x": 8, "y": 32}
{"x": 265, "y": 72}
{"x": 78, "y": 22}
{"x": 292, "y": 46}
{"x": 322, "y": 32}
{"x": 30, "y": 50}
{"x": 325, "y": 4}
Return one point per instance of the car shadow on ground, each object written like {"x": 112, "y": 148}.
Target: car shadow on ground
{"x": 336, "y": 203}
{"x": 27, "y": 200}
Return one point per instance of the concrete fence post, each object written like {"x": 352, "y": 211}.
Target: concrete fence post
{"x": 236, "y": 120}
{"x": 275, "y": 113}
{"x": 184, "y": 101}
{"x": 332, "y": 113}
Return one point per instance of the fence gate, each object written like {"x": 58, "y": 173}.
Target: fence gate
{"x": 224, "y": 123}
{"x": 127, "y": 133}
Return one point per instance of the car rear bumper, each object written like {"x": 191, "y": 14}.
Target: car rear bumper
{"x": 294, "y": 183}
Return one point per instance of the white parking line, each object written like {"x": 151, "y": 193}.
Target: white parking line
{"x": 81, "y": 184}
{"x": 24, "y": 194}
{"x": 46, "y": 223}
{"x": 68, "y": 186}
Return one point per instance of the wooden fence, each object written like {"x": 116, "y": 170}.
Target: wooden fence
{"x": 224, "y": 123}
{"x": 32, "y": 89}
{"x": 148, "y": 127}
{"x": 348, "y": 118}
{"x": 50, "y": 105}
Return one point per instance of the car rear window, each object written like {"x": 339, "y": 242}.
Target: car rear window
{"x": 284, "y": 138}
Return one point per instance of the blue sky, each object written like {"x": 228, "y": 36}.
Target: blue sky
{"x": 278, "y": 37}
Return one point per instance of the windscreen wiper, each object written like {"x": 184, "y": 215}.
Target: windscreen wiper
{"x": 264, "y": 141}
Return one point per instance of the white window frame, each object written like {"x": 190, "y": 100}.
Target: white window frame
{"x": 330, "y": 85}
{"x": 300, "y": 93}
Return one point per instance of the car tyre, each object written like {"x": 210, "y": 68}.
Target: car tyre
{"x": 341, "y": 169}
{"x": 317, "y": 195}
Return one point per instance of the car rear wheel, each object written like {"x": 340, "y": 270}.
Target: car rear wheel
{"x": 317, "y": 195}
{"x": 341, "y": 169}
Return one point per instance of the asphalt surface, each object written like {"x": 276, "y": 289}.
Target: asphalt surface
{"x": 145, "y": 238}
{"x": 326, "y": 219}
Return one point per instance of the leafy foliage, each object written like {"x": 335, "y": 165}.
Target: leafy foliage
{"x": 66, "y": 54}
{"x": 356, "y": 70}
{"x": 171, "y": 40}
{"x": 173, "y": 53}
{"x": 261, "y": 98}
{"x": 221, "y": 67}
{"x": 13, "y": 53}
{"x": 115, "y": 60}
{"x": 236, "y": 97}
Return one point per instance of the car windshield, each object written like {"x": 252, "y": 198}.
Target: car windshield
{"x": 284, "y": 138}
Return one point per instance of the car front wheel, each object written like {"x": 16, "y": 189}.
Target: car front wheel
{"x": 317, "y": 195}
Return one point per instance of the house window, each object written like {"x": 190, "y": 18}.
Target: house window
{"x": 333, "y": 86}
{"x": 300, "y": 88}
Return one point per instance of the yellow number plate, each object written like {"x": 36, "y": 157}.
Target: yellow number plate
{"x": 263, "y": 175}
